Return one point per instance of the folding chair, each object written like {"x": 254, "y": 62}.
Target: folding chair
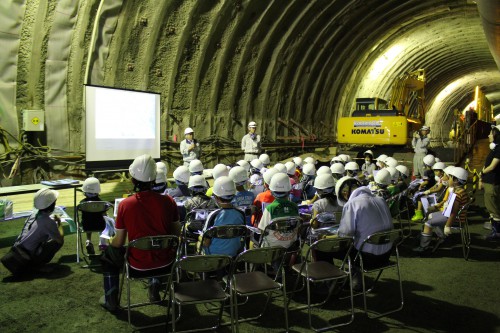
{"x": 200, "y": 291}
{"x": 393, "y": 237}
{"x": 323, "y": 224}
{"x": 193, "y": 228}
{"x": 400, "y": 211}
{"x": 224, "y": 232}
{"x": 96, "y": 207}
{"x": 166, "y": 244}
{"x": 322, "y": 271}
{"x": 254, "y": 282}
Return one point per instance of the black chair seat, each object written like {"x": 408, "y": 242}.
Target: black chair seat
{"x": 320, "y": 270}
{"x": 252, "y": 282}
{"x": 136, "y": 274}
{"x": 198, "y": 291}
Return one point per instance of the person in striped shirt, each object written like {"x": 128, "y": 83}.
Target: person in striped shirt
{"x": 440, "y": 223}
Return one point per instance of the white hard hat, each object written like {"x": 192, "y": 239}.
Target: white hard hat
{"x": 188, "y": 130}
{"x": 161, "y": 177}
{"x": 324, "y": 181}
{"x": 391, "y": 161}
{"x": 44, "y": 198}
{"x": 256, "y": 164}
{"x": 495, "y": 126}
{"x": 429, "y": 160}
{"x": 437, "y": 159}
{"x": 264, "y": 158}
{"x": 352, "y": 166}
{"x": 197, "y": 181}
{"x": 280, "y": 182}
{"x": 383, "y": 177}
{"x": 459, "y": 173}
{"x": 336, "y": 159}
{"x": 309, "y": 169}
{"x": 252, "y": 124}
{"x": 439, "y": 166}
{"x": 425, "y": 128}
{"x": 162, "y": 166}
{"x": 393, "y": 172}
{"x": 448, "y": 169}
{"x": 340, "y": 183}
{"x": 403, "y": 170}
{"x": 324, "y": 170}
{"x": 91, "y": 185}
{"x": 244, "y": 164}
{"x": 269, "y": 175}
{"x": 143, "y": 168}
{"x": 224, "y": 187}
{"x": 345, "y": 158}
{"x": 290, "y": 168}
{"x": 368, "y": 152}
{"x": 381, "y": 158}
{"x": 298, "y": 161}
{"x": 195, "y": 166}
{"x": 182, "y": 174}
{"x": 220, "y": 170}
{"x": 280, "y": 167}
{"x": 309, "y": 159}
{"x": 337, "y": 168}
{"x": 238, "y": 174}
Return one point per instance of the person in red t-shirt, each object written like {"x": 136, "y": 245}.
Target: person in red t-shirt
{"x": 146, "y": 213}
{"x": 264, "y": 198}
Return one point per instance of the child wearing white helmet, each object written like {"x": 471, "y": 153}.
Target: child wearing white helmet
{"x": 42, "y": 236}
{"x": 243, "y": 198}
{"x": 93, "y": 221}
{"x": 160, "y": 185}
{"x": 263, "y": 199}
{"x": 437, "y": 189}
{"x": 439, "y": 222}
{"x": 181, "y": 177}
{"x": 381, "y": 181}
{"x": 199, "y": 200}
{"x": 224, "y": 192}
{"x": 218, "y": 171}
{"x": 266, "y": 161}
{"x": 256, "y": 180}
{"x": 190, "y": 147}
{"x": 281, "y": 207}
{"x": 307, "y": 181}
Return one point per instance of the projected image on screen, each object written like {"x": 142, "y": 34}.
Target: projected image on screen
{"x": 120, "y": 125}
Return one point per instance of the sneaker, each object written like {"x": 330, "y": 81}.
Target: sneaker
{"x": 487, "y": 225}
{"x": 418, "y": 216}
{"x": 154, "y": 291}
{"x": 419, "y": 249}
{"x": 90, "y": 248}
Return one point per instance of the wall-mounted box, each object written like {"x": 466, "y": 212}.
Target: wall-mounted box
{"x": 33, "y": 120}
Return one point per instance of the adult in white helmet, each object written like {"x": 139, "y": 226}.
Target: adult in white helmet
{"x": 280, "y": 167}
{"x": 181, "y": 178}
{"x": 243, "y": 198}
{"x": 337, "y": 170}
{"x": 145, "y": 213}
{"x": 42, "y": 236}
{"x": 363, "y": 214}
{"x": 490, "y": 180}
{"x": 438, "y": 222}
{"x": 190, "y": 147}
{"x": 420, "y": 142}
{"x": 224, "y": 191}
{"x": 250, "y": 143}
{"x": 91, "y": 221}
{"x": 199, "y": 200}
{"x": 281, "y": 207}
{"x": 195, "y": 167}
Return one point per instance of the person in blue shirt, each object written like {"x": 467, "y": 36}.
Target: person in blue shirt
{"x": 224, "y": 191}
{"x": 243, "y": 198}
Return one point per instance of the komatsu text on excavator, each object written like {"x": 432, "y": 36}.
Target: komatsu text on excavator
{"x": 377, "y": 122}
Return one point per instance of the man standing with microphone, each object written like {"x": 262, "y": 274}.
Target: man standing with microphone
{"x": 190, "y": 148}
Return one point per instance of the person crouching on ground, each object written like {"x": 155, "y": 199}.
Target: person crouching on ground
{"x": 146, "y": 213}
{"x": 42, "y": 236}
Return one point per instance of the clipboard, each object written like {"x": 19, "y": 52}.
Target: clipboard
{"x": 449, "y": 204}
{"x": 428, "y": 201}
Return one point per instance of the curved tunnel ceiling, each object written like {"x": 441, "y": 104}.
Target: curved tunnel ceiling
{"x": 292, "y": 66}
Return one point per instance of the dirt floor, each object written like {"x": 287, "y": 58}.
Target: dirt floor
{"x": 442, "y": 292}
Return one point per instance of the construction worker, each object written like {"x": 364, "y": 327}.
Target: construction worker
{"x": 420, "y": 142}
{"x": 250, "y": 143}
{"x": 190, "y": 147}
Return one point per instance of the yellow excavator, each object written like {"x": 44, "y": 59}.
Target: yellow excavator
{"x": 377, "y": 122}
